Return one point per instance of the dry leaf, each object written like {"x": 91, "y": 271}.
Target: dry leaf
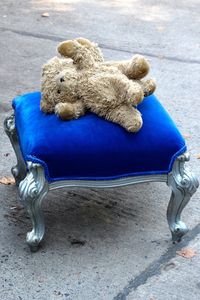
{"x": 7, "y": 180}
{"x": 187, "y": 252}
{"x": 198, "y": 155}
{"x": 186, "y": 135}
{"x": 45, "y": 14}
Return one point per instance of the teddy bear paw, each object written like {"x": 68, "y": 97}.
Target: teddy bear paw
{"x": 135, "y": 127}
{"x": 134, "y": 94}
{"x": 65, "y": 111}
{"x": 135, "y": 123}
{"x": 149, "y": 87}
{"x": 138, "y": 67}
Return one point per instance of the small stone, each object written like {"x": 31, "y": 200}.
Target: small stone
{"x": 45, "y": 14}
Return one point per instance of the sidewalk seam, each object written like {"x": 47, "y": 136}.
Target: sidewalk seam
{"x": 103, "y": 46}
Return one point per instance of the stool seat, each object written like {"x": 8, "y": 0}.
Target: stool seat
{"x": 94, "y": 148}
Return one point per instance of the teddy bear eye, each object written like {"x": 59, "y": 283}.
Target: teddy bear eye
{"x": 58, "y": 91}
{"x": 62, "y": 79}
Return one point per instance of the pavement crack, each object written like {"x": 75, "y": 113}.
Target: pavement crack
{"x": 155, "y": 267}
{"x": 57, "y": 38}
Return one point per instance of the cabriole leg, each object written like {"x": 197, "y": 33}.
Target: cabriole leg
{"x": 32, "y": 191}
{"x": 19, "y": 171}
{"x": 183, "y": 184}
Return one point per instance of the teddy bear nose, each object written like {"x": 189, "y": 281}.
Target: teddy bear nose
{"x": 62, "y": 79}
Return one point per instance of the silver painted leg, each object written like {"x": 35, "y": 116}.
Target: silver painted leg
{"x": 19, "y": 171}
{"x": 184, "y": 184}
{"x": 32, "y": 191}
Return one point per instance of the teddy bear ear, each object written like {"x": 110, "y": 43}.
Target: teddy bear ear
{"x": 84, "y": 42}
{"x": 68, "y": 48}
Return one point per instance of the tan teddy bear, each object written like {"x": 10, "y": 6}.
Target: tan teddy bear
{"x": 81, "y": 80}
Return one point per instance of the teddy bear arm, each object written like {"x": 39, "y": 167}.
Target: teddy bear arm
{"x": 126, "y": 116}
{"x": 69, "y": 111}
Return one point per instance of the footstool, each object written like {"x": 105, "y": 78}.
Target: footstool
{"x": 95, "y": 153}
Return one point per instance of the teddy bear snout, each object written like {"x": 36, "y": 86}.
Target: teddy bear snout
{"x": 62, "y": 79}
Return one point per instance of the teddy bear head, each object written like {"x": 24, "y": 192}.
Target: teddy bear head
{"x": 66, "y": 83}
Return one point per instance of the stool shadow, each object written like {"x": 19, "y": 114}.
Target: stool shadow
{"x": 91, "y": 213}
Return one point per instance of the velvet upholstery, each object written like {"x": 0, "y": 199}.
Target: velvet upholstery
{"x": 93, "y": 148}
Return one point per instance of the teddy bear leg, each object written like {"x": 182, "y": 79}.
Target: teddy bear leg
{"x": 126, "y": 116}
{"x": 137, "y": 68}
{"x": 148, "y": 86}
{"x": 80, "y": 55}
{"x": 134, "y": 94}
{"x": 68, "y": 111}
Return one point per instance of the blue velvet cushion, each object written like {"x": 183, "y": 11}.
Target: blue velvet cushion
{"x": 93, "y": 148}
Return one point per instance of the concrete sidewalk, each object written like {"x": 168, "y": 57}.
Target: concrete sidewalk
{"x": 125, "y": 249}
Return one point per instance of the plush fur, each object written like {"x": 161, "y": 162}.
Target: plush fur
{"x": 81, "y": 80}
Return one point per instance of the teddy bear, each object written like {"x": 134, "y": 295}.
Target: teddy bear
{"x": 80, "y": 80}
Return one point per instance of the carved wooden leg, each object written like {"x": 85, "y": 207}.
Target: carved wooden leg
{"x": 19, "y": 171}
{"x": 32, "y": 191}
{"x": 184, "y": 184}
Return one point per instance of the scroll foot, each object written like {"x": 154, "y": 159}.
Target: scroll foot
{"x": 183, "y": 184}
{"x": 32, "y": 191}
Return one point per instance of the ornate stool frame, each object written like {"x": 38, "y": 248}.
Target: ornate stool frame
{"x": 33, "y": 187}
